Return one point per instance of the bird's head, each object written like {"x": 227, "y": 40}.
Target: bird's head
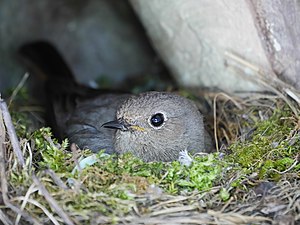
{"x": 156, "y": 126}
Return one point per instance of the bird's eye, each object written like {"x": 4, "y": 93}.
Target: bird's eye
{"x": 157, "y": 119}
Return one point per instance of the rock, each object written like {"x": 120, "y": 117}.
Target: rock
{"x": 192, "y": 37}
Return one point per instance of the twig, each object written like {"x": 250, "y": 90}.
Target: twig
{"x": 288, "y": 169}
{"x": 237, "y": 218}
{"x": 4, "y": 185}
{"x": 174, "y": 210}
{"x": 50, "y": 141}
{"x": 31, "y": 190}
{"x": 56, "y": 179}
{"x": 215, "y": 123}
{"x": 215, "y": 114}
{"x": 178, "y": 199}
{"x": 11, "y": 132}
{"x": 18, "y": 88}
{"x": 280, "y": 94}
{"x": 226, "y": 205}
{"x": 44, "y": 209}
{"x": 27, "y": 145}
{"x": 4, "y": 219}
{"x": 75, "y": 156}
{"x": 52, "y": 201}
{"x": 272, "y": 83}
{"x": 243, "y": 62}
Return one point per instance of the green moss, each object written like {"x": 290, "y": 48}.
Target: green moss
{"x": 200, "y": 175}
{"x": 269, "y": 150}
{"x": 224, "y": 194}
{"x": 137, "y": 175}
{"x": 53, "y": 155}
{"x": 109, "y": 186}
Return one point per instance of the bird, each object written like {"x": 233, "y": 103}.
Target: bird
{"x": 153, "y": 126}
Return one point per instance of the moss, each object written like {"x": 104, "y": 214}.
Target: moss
{"x": 172, "y": 177}
{"x": 224, "y": 194}
{"x": 54, "y": 156}
{"x": 201, "y": 175}
{"x": 109, "y": 187}
{"x": 269, "y": 150}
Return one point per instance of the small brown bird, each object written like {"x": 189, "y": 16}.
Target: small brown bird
{"x": 154, "y": 126}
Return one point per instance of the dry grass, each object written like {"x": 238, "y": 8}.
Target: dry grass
{"x": 266, "y": 203}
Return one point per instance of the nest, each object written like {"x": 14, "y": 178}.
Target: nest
{"x": 261, "y": 191}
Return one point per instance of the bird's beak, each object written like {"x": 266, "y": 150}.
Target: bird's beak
{"x": 121, "y": 125}
{"x": 116, "y": 124}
